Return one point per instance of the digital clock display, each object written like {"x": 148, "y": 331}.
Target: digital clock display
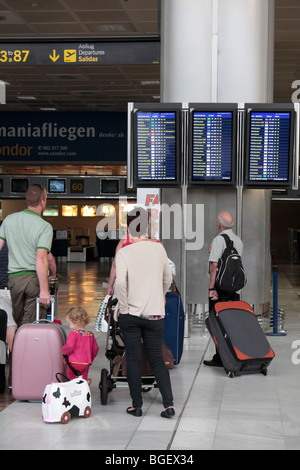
{"x": 14, "y": 56}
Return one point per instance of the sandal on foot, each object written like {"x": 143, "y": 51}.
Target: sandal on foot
{"x": 168, "y": 412}
{"x": 134, "y": 411}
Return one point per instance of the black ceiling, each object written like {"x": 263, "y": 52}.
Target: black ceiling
{"x": 68, "y": 87}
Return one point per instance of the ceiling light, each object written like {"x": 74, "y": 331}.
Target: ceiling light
{"x": 110, "y": 27}
{"x": 67, "y": 77}
{"x": 87, "y": 92}
{"x": 26, "y": 97}
{"x": 48, "y": 109}
{"x": 150, "y": 82}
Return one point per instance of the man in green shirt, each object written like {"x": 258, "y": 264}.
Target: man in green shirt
{"x": 29, "y": 240}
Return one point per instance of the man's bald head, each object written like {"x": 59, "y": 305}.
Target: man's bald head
{"x": 224, "y": 220}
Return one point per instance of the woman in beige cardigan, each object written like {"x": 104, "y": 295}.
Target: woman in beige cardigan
{"x": 143, "y": 276}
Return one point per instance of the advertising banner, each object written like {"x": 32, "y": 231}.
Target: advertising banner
{"x": 63, "y": 137}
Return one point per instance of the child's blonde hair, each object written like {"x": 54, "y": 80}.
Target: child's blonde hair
{"x": 78, "y": 315}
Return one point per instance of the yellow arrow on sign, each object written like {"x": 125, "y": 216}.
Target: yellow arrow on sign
{"x": 54, "y": 57}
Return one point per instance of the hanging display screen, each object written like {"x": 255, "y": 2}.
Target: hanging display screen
{"x": 109, "y": 186}
{"x": 156, "y": 138}
{"x": 269, "y": 146}
{"x": 56, "y": 186}
{"x": 212, "y": 145}
{"x": 19, "y": 185}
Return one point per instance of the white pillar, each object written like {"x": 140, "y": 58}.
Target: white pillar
{"x": 245, "y": 49}
{"x": 220, "y": 51}
{"x": 217, "y": 50}
{"x": 185, "y": 50}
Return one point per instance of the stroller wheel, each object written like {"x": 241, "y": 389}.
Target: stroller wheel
{"x": 104, "y": 382}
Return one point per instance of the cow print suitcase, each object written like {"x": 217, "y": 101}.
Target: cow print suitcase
{"x": 62, "y": 401}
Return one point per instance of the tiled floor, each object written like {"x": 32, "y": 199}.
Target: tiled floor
{"x": 213, "y": 412}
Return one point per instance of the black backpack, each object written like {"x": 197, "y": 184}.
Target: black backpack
{"x": 230, "y": 271}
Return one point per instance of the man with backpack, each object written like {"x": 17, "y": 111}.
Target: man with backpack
{"x": 224, "y": 271}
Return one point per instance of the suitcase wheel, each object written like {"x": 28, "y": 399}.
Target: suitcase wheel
{"x": 231, "y": 374}
{"x": 65, "y": 417}
{"x": 87, "y": 412}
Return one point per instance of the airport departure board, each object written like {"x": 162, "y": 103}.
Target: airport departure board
{"x": 156, "y": 148}
{"x": 212, "y": 147}
{"x": 269, "y": 146}
{"x": 269, "y": 152}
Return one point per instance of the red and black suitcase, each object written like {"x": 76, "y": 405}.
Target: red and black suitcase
{"x": 239, "y": 338}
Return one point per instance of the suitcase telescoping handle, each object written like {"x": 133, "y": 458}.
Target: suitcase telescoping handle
{"x": 52, "y": 302}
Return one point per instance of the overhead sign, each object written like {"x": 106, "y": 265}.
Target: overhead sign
{"x": 100, "y": 53}
{"x": 63, "y": 137}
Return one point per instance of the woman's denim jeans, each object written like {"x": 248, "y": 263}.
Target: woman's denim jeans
{"x": 134, "y": 328}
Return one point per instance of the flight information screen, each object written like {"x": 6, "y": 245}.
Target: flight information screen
{"x": 269, "y": 152}
{"x": 212, "y": 146}
{"x": 156, "y": 146}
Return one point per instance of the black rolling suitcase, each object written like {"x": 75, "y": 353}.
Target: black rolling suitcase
{"x": 3, "y": 326}
{"x": 239, "y": 338}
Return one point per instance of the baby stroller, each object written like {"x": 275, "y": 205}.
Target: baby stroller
{"x": 115, "y": 374}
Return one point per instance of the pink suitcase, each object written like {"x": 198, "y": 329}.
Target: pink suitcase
{"x": 36, "y": 357}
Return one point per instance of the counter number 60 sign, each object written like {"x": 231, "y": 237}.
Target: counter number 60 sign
{"x": 77, "y": 186}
